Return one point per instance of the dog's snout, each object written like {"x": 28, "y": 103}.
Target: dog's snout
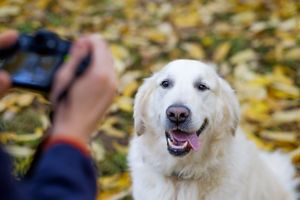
{"x": 177, "y": 113}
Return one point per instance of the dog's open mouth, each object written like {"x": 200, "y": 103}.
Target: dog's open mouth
{"x": 180, "y": 143}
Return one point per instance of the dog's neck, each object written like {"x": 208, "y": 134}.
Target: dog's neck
{"x": 212, "y": 178}
{"x": 211, "y": 173}
{"x": 179, "y": 177}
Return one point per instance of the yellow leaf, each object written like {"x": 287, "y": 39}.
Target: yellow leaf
{"x": 11, "y": 136}
{"x": 295, "y": 154}
{"x": 45, "y": 122}
{"x": 259, "y": 26}
{"x": 280, "y": 137}
{"x": 260, "y": 143}
{"x": 130, "y": 13}
{"x": 108, "y": 128}
{"x": 128, "y": 82}
{"x": 110, "y": 121}
{"x": 207, "y": 41}
{"x": 293, "y": 54}
{"x": 261, "y": 81}
{"x": 125, "y": 103}
{"x": 282, "y": 74}
{"x": 121, "y": 56}
{"x": 119, "y": 51}
{"x": 25, "y": 99}
{"x": 7, "y": 136}
{"x": 243, "y": 56}
{"x": 187, "y": 19}
{"x": 2, "y": 106}
{"x": 112, "y": 185}
{"x": 287, "y": 116}
{"x": 113, "y": 132}
{"x": 13, "y": 109}
{"x": 98, "y": 151}
{"x": 120, "y": 148}
{"x": 108, "y": 195}
{"x": 244, "y": 18}
{"x": 257, "y": 110}
{"x": 130, "y": 89}
{"x": 221, "y": 51}
{"x": 43, "y": 4}
{"x": 194, "y": 51}
{"x": 243, "y": 73}
{"x": 288, "y": 25}
{"x": 8, "y": 11}
{"x": 281, "y": 90}
{"x": 19, "y": 151}
{"x": 155, "y": 35}
{"x": 116, "y": 181}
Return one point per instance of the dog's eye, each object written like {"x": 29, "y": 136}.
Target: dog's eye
{"x": 165, "y": 84}
{"x": 201, "y": 87}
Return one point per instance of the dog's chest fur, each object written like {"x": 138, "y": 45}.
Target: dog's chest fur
{"x": 175, "y": 188}
{"x": 241, "y": 175}
{"x": 195, "y": 189}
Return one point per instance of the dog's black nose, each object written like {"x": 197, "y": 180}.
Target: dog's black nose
{"x": 178, "y": 113}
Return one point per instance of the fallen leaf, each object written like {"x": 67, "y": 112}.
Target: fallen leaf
{"x": 221, "y": 51}
{"x": 9, "y": 11}
{"x": 112, "y": 185}
{"x": 194, "y": 51}
{"x": 286, "y": 116}
{"x": 25, "y": 99}
{"x": 244, "y": 56}
{"x": 19, "y": 151}
{"x": 125, "y": 103}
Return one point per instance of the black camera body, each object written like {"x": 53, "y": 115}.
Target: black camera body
{"x": 34, "y": 59}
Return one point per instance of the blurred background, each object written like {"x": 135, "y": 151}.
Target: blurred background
{"x": 254, "y": 44}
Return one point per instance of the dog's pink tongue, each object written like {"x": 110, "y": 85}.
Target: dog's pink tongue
{"x": 191, "y": 138}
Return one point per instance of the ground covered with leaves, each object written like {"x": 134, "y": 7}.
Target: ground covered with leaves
{"x": 255, "y": 45}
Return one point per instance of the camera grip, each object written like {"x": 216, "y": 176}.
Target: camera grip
{"x": 83, "y": 66}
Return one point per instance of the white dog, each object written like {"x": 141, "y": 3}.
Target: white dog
{"x": 188, "y": 145}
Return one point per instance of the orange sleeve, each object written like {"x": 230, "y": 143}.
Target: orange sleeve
{"x": 67, "y": 139}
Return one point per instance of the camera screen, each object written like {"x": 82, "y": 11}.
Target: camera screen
{"x": 31, "y": 69}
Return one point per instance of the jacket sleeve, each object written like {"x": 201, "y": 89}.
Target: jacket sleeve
{"x": 62, "y": 173}
{"x": 8, "y": 186}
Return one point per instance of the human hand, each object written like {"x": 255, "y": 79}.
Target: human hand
{"x": 6, "y": 39}
{"x": 90, "y": 95}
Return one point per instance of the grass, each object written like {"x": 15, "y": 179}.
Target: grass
{"x": 25, "y": 121}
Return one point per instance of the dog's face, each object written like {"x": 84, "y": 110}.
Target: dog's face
{"x": 182, "y": 103}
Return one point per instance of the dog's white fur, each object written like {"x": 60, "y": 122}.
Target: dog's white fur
{"x": 227, "y": 166}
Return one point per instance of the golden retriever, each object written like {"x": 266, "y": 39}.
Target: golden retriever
{"x": 188, "y": 144}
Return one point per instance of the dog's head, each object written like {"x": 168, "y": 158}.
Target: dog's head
{"x": 184, "y": 103}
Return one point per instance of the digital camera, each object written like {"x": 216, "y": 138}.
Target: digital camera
{"x": 34, "y": 59}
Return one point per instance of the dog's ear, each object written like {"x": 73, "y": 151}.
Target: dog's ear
{"x": 231, "y": 112}
{"x": 141, "y": 105}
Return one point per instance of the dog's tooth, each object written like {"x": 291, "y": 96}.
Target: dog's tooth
{"x": 185, "y": 144}
{"x": 178, "y": 147}
{"x": 174, "y": 146}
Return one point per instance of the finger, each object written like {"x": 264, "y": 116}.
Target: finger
{"x": 77, "y": 53}
{"x": 102, "y": 68}
{"x": 101, "y": 56}
{"x": 8, "y": 38}
{"x": 5, "y": 82}
{"x": 66, "y": 73}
